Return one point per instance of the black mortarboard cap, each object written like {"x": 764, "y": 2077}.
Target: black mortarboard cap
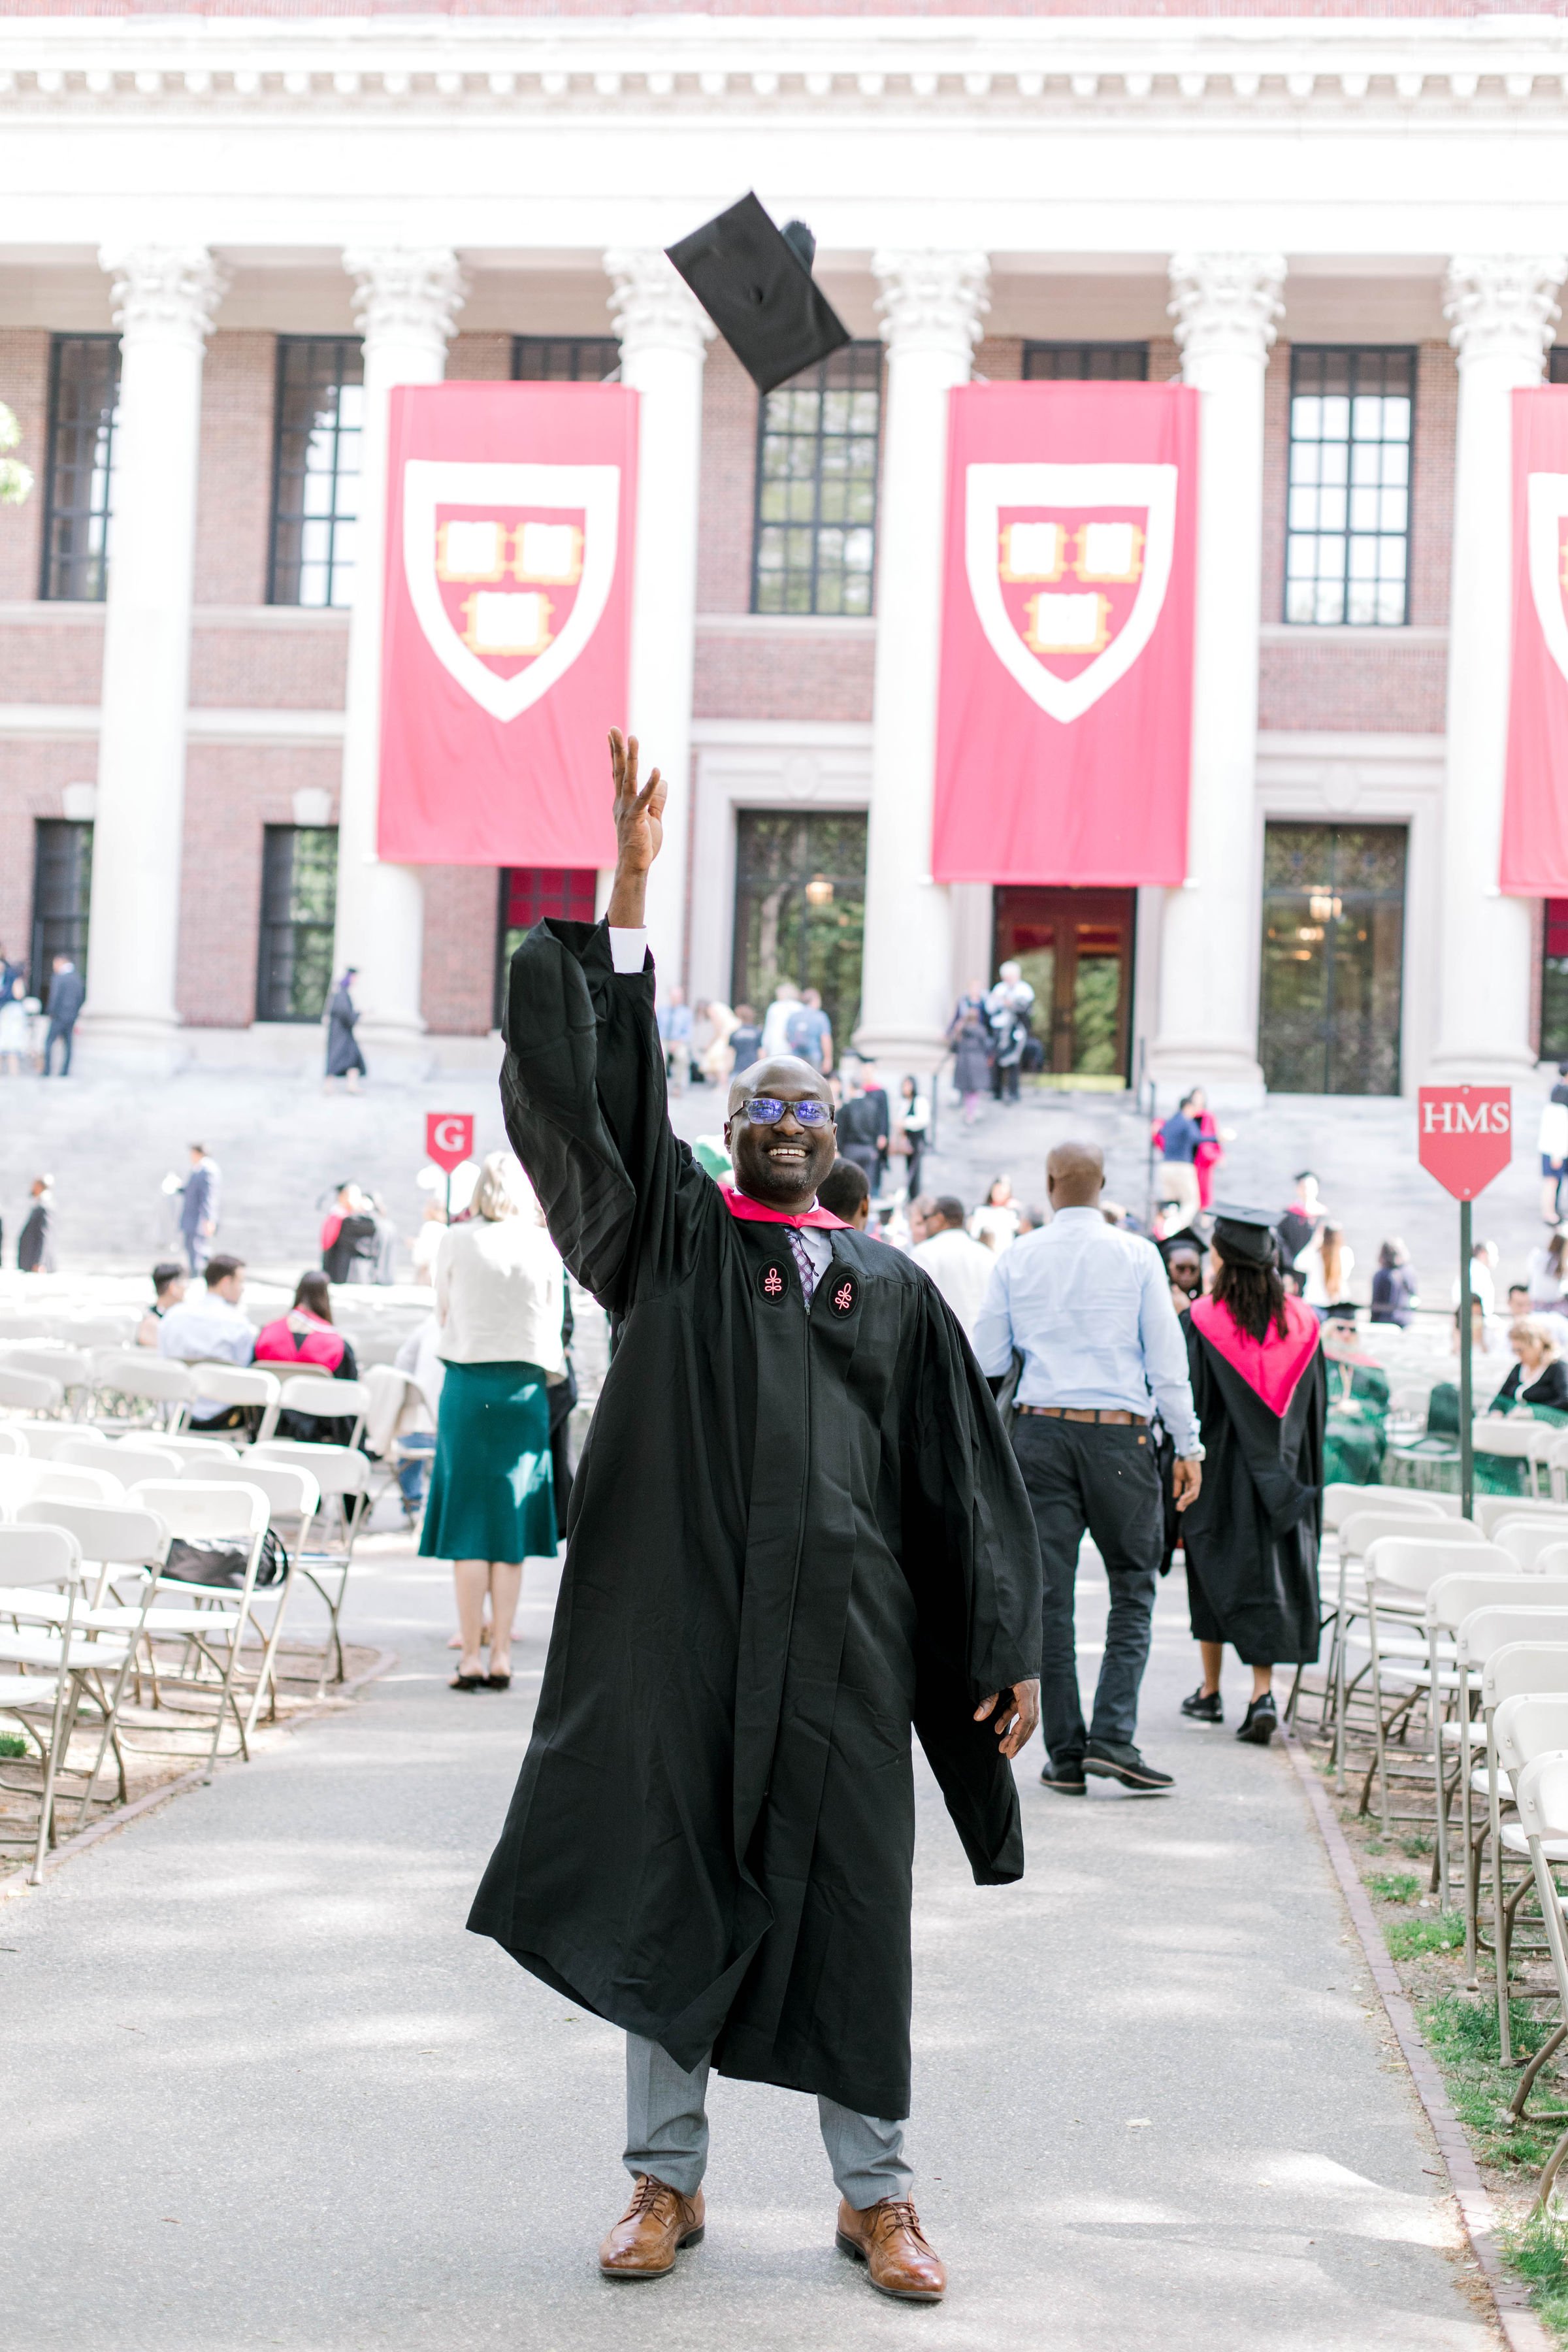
{"x": 1245, "y": 1233}
{"x": 755, "y": 281}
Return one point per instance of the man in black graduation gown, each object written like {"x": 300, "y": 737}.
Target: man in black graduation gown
{"x": 796, "y": 1527}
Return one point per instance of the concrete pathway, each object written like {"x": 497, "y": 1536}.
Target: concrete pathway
{"x": 263, "y": 2091}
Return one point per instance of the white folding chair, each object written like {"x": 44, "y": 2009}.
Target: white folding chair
{"x": 1528, "y": 1540}
{"x": 327, "y": 1399}
{"x": 62, "y": 1482}
{"x": 72, "y": 1367}
{"x": 1342, "y": 1501}
{"x": 1524, "y": 1724}
{"x": 1400, "y": 1570}
{"x": 194, "y": 1452}
{"x": 344, "y": 1476}
{"x": 115, "y": 1539}
{"x": 293, "y": 1499}
{"x": 30, "y": 1391}
{"x": 44, "y": 1439}
{"x": 1357, "y": 1532}
{"x": 239, "y": 1384}
{"x": 43, "y": 1556}
{"x": 1514, "y": 1439}
{"x": 1541, "y": 1797}
{"x": 1468, "y": 1616}
{"x": 13, "y": 1441}
{"x": 163, "y": 1388}
{"x": 1491, "y": 1510}
{"x": 210, "y": 1618}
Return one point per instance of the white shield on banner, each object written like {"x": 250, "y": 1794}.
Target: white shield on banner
{"x": 1547, "y": 504}
{"x": 593, "y": 492}
{"x": 1122, "y": 553}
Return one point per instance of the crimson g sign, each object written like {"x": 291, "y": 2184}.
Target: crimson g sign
{"x": 1465, "y": 1135}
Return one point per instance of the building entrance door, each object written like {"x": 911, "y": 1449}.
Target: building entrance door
{"x": 1076, "y": 950}
{"x": 1334, "y": 955}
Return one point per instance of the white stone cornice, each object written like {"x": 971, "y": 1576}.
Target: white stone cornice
{"x": 404, "y": 293}
{"x": 163, "y": 293}
{"x": 932, "y": 301}
{"x": 1225, "y": 302}
{"x": 1502, "y": 305}
{"x": 651, "y": 305}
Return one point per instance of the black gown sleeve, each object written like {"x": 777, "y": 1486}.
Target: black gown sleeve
{"x": 973, "y": 1561}
{"x": 583, "y": 1092}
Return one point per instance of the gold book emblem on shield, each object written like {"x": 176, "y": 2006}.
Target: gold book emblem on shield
{"x": 505, "y": 623}
{"x": 1070, "y": 623}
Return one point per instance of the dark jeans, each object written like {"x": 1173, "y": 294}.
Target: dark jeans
{"x": 60, "y": 1030}
{"x": 1101, "y": 1476}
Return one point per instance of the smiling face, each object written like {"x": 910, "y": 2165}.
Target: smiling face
{"x": 1186, "y": 1271}
{"x": 781, "y": 1166}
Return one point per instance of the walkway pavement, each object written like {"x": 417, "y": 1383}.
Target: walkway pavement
{"x": 263, "y": 2091}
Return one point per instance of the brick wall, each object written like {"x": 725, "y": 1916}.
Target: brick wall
{"x": 231, "y": 791}
{"x": 456, "y": 987}
{"x": 727, "y": 499}
{"x": 1375, "y": 679}
{"x": 816, "y": 675}
{"x": 296, "y": 667}
{"x": 25, "y": 389}
{"x": 233, "y": 495}
{"x": 58, "y": 658}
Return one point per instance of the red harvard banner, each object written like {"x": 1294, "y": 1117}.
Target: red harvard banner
{"x": 509, "y": 565}
{"x": 1535, "y": 801}
{"x": 1064, "y": 723}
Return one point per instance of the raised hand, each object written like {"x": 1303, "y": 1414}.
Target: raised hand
{"x": 639, "y": 832}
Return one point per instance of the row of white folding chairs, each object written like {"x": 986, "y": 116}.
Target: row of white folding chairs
{"x": 1400, "y": 1559}
{"x": 62, "y": 1646}
{"x": 44, "y": 1379}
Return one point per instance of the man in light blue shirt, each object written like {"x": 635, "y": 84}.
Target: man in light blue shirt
{"x": 1087, "y": 1307}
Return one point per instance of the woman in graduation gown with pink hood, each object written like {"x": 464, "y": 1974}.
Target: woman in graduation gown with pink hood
{"x": 1252, "y": 1537}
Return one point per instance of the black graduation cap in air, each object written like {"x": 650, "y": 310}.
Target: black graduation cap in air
{"x": 755, "y": 283}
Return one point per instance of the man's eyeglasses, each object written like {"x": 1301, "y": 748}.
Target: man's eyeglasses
{"x": 766, "y": 1110}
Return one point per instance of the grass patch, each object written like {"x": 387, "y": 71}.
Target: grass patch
{"x": 1393, "y": 1885}
{"x": 1462, "y": 2035}
{"x": 13, "y": 1744}
{"x": 1537, "y": 2248}
{"x": 1415, "y": 1846}
{"x": 1409, "y": 1939}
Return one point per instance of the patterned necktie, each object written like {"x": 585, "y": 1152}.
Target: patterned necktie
{"x": 803, "y": 1260}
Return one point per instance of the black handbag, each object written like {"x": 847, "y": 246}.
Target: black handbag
{"x": 224, "y": 1564}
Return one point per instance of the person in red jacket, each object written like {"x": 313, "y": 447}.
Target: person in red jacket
{"x": 304, "y": 1340}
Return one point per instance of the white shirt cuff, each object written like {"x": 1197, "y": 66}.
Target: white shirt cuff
{"x": 628, "y": 949}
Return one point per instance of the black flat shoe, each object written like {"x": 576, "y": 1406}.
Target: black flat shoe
{"x": 1203, "y": 1706}
{"x": 468, "y": 1682}
{"x": 498, "y": 1682}
{"x": 1126, "y": 1765}
{"x": 1065, "y": 1778}
{"x": 1260, "y": 1722}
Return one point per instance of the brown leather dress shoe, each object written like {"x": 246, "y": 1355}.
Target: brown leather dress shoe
{"x": 652, "y": 2231}
{"x": 887, "y": 2238}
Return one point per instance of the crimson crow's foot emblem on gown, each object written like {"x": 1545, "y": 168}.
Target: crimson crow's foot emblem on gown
{"x": 843, "y": 1296}
{"x": 774, "y": 1283}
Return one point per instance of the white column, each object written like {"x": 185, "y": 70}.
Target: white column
{"x": 1224, "y": 306}
{"x": 405, "y": 301}
{"x": 164, "y": 298}
{"x": 931, "y": 306}
{"x": 1502, "y": 310}
{"x": 664, "y": 333}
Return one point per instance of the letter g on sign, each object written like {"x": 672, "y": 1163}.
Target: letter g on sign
{"x": 450, "y": 1138}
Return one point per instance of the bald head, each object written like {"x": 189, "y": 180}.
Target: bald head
{"x": 784, "y": 1075}
{"x": 1075, "y": 1175}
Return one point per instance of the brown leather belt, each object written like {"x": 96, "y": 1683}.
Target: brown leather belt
{"x": 1086, "y": 1413}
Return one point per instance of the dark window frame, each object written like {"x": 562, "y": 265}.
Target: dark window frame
{"x": 1354, "y": 353}
{"x": 852, "y": 354}
{"x": 44, "y": 926}
{"x": 575, "y": 346}
{"x": 268, "y": 995}
{"x": 1134, "y": 350}
{"x": 795, "y": 885}
{"x": 1347, "y": 898}
{"x": 277, "y": 521}
{"x": 1553, "y": 985}
{"x": 571, "y": 898}
{"x": 54, "y": 513}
